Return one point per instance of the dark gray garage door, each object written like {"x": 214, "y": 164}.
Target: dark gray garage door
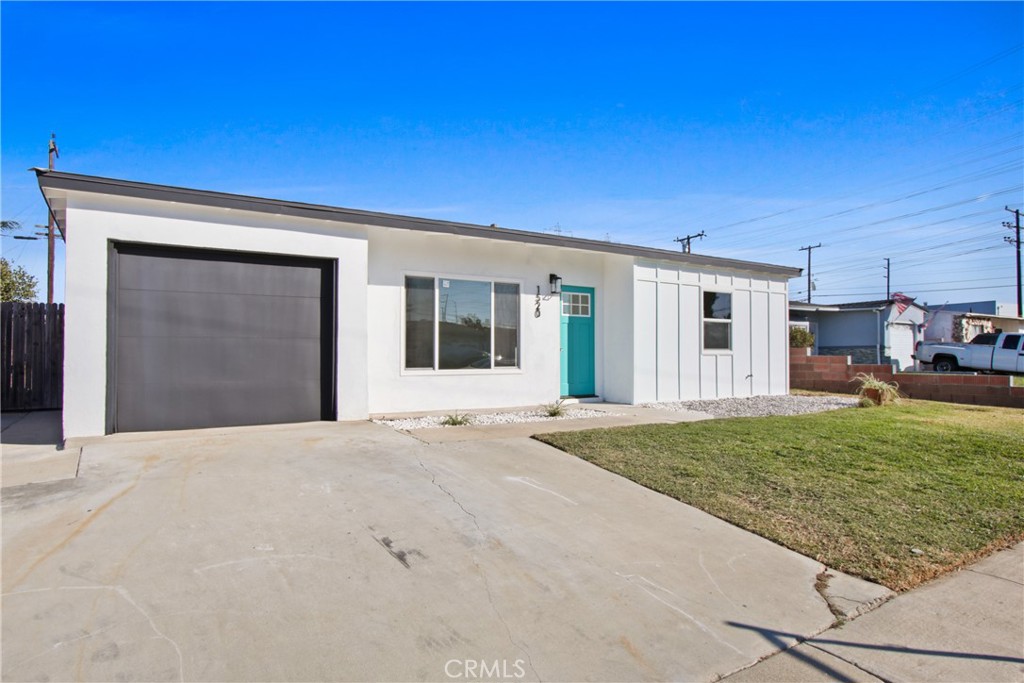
{"x": 212, "y": 339}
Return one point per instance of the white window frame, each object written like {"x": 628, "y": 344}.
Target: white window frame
{"x": 492, "y": 280}
{"x": 718, "y": 321}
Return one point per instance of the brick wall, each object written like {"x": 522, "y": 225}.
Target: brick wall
{"x": 834, "y": 373}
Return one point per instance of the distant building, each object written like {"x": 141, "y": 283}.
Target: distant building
{"x": 961, "y": 322}
{"x": 987, "y": 307}
{"x": 867, "y": 331}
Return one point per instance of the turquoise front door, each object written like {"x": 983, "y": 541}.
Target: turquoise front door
{"x": 577, "y": 341}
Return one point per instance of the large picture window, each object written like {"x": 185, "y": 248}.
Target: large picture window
{"x": 461, "y": 324}
{"x": 717, "y": 321}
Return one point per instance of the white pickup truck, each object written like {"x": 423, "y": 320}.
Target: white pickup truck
{"x": 988, "y": 352}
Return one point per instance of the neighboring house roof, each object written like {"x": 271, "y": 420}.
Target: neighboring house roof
{"x": 879, "y": 303}
{"x": 51, "y": 182}
{"x": 978, "y": 316}
{"x": 849, "y": 306}
{"x": 969, "y": 307}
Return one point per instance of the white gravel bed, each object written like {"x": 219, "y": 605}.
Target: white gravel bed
{"x": 761, "y": 406}
{"x": 493, "y": 418}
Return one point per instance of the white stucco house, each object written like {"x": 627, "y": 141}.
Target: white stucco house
{"x": 189, "y": 308}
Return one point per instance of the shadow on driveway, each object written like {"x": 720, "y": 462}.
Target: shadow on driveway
{"x": 31, "y": 428}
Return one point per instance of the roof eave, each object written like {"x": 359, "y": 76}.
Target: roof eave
{"x": 59, "y": 180}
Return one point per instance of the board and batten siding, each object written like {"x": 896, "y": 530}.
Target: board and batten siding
{"x": 671, "y": 364}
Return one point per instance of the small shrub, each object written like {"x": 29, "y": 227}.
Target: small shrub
{"x": 456, "y": 420}
{"x": 800, "y": 338}
{"x": 554, "y": 409}
{"x": 866, "y": 402}
{"x": 876, "y": 390}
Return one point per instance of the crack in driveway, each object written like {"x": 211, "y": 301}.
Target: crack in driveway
{"x": 483, "y": 575}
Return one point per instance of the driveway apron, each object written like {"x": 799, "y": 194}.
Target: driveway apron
{"x": 353, "y": 552}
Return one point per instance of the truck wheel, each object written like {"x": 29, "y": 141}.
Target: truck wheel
{"x": 945, "y": 364}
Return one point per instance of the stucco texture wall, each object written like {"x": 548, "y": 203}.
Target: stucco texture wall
{"x": 93, "y": 221}
{"x": 394, "y": 254}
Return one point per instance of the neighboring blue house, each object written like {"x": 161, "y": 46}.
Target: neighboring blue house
{"x": 867, "y": 331}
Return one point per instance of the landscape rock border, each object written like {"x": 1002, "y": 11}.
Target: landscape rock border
{"x": 761, "y": 406}
{"x": 483, "y": 419}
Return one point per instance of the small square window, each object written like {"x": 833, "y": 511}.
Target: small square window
{"x": 575, "y": 304}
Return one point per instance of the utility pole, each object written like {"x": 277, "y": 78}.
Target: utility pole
{"x": 53, "y": 152}
{"x": 888, "y": 275}
{"x": 809, "y": 249}
{"x": 685, "y": 241}
{"x": 1016, "y": 242}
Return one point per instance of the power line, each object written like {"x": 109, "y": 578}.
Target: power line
{"x": 881, "y": 155}
{"x": 974, "y": 67}
{"x": 913, "y": 214}
{"x": 913, "y": 285}
{"x": 733, "y": 206}
{"x": 920, "y": 291}
{"x": 979, "y": 175}
{"x": 916, "y": 250}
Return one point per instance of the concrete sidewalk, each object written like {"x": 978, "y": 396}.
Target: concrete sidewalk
{"x": 967, "y": 626}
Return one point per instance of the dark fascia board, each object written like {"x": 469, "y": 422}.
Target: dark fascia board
{"x": 73, "y": 182}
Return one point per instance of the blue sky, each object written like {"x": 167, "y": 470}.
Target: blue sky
{"x": 878, "y": 129}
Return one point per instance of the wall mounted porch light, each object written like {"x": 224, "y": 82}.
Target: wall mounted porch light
{"x": 556, "y": 283}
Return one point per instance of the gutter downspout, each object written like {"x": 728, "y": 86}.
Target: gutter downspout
{"x": 878, "y": 335}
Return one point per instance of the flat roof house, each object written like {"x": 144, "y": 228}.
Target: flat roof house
{"x": 189, "y": 308}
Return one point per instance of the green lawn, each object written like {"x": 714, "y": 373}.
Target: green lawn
{"x": 896, "y": 495}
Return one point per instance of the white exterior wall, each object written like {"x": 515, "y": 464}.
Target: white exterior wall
{"x": 393, "y": 254}
{"x": 93, "y": 221}
{"x": 617, "y": 306}
{"x": 647, "y": 324}
{"x": 670, "y": 362}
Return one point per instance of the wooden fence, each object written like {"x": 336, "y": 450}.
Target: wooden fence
{"x": 32, "y": 341}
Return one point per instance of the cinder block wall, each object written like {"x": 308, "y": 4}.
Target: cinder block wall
{"x": 836, "y": 373}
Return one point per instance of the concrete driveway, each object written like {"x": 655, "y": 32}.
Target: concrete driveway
{"x": 353, "y": 552}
